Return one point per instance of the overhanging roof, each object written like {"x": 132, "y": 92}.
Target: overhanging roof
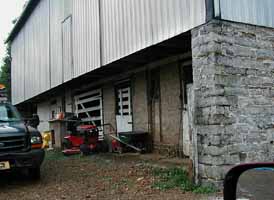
{"x": 22, "y": 19}
{"x": 32, "y": 5}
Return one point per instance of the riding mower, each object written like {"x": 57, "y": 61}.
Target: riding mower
{"x": 83, "y": 138}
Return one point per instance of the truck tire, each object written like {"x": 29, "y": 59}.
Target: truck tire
{"x": 35, "y": 173}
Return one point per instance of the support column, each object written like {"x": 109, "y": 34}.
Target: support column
{"x": 233, "y": 69}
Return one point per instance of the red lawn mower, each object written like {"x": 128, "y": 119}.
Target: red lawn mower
{"x": 83, "y": 138}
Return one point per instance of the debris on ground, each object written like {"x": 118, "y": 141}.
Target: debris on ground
{"x": 102, "y": 176}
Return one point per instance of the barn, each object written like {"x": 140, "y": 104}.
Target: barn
{"x": 196, "y": 75}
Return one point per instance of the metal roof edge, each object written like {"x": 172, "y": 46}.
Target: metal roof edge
{"x": 22, "y": 19}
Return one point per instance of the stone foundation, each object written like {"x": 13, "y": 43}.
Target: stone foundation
{"x": 233, "y": 68}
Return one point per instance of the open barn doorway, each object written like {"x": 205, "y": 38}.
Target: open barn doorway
{"x": 89, "y": 108}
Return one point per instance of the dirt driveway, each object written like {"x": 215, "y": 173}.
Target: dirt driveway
{"x": 93, "y": 177}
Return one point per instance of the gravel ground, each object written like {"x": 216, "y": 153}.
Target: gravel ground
{"x": 93, "y": 177}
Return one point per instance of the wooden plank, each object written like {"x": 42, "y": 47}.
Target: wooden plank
{"x": 91, "y": 119}
{"x": 125, "y": 95}
{"x": 131, "y": 146}
{"x": 89, "y": 99}
{"x": 89, "y": 93}
{"x": 89, "y": 109}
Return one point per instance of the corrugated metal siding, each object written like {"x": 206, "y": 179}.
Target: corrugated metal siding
{"x": 126, "y": 27}
{"x": 86, "y": 39}
{"x": 79, "y": 35}
{"x": 37, "y": 78}
{"x": 67, "y": 49}
{"x": 44, "y": 41}
{"x": 18, "y": 69}
{"x": 56, "y": 18}
{"x": 255, "y": 12}
{"x": 131, "y": 25}
{"x": 67, "y": 9}
{"x": 93, "y": 35}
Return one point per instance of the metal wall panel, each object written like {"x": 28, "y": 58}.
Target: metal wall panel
{"x": 18, "y": 69}
{"x": 86, "y": 36}
{"x": 67, "y": 49}
{"x": 93, "y": 35}
{"x": 37, "y": 74}
{"x": 56, "y": 18}
{"x": 257, "y": 12}
{"x": 126, "y": 26}
{"x": 130, "y": 25}
{"x": 44, "y": 41}
{"x": 79, "y": 35}
{"x": 67, "y": 8}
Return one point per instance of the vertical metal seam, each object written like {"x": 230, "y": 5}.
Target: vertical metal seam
{"x": 151, "y": 23}
{"x": 86, "y": 33}
{"x": 217, "y": 9}
{"x": 62, "y": 44}
{"x": 71, "y": 48}
{"x": 100, "y": 33}
{"x": 123, "y": 49}
{"x": 24, "y": 35}
{"x": 210, "y": 10}
{"x": 50, "y": 86}
{"x": 220, "y": 10}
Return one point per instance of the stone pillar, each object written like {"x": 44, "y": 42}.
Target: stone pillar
{"x": 233, "y": 69}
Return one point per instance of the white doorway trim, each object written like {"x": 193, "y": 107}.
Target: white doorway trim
{"x": 124, "y": 112}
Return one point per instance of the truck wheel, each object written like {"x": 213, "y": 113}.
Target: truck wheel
{"x": 34, "y": 173}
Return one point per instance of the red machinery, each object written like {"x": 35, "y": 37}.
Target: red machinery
{"x": 82, "y": 139}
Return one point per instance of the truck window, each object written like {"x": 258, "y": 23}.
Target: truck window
{"x": 9, "y": 113}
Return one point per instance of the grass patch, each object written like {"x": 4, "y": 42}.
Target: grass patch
{"x": 54, "y": 155}
{"x": 177, "y": 178}
{"x": 204, "y": 190}
{"x": 107, "y": 178}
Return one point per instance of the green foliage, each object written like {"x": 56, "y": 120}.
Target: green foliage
{"x": 177, "y": 178}
{"x": 204, "y": 190}
{"x": 5, "y": 74}
{"x": 172, "y": 178}
{"x": 54, "y": 155}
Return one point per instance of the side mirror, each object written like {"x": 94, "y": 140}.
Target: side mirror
{"x": 34, "y": 121}
{"x": 250, "y": 181}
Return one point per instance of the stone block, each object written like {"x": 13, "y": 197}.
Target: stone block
{"x": 214, "y": 150}
{"x": 234, "y": 93}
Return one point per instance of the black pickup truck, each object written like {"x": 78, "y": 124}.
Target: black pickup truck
{"x": 20, "y": 144}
